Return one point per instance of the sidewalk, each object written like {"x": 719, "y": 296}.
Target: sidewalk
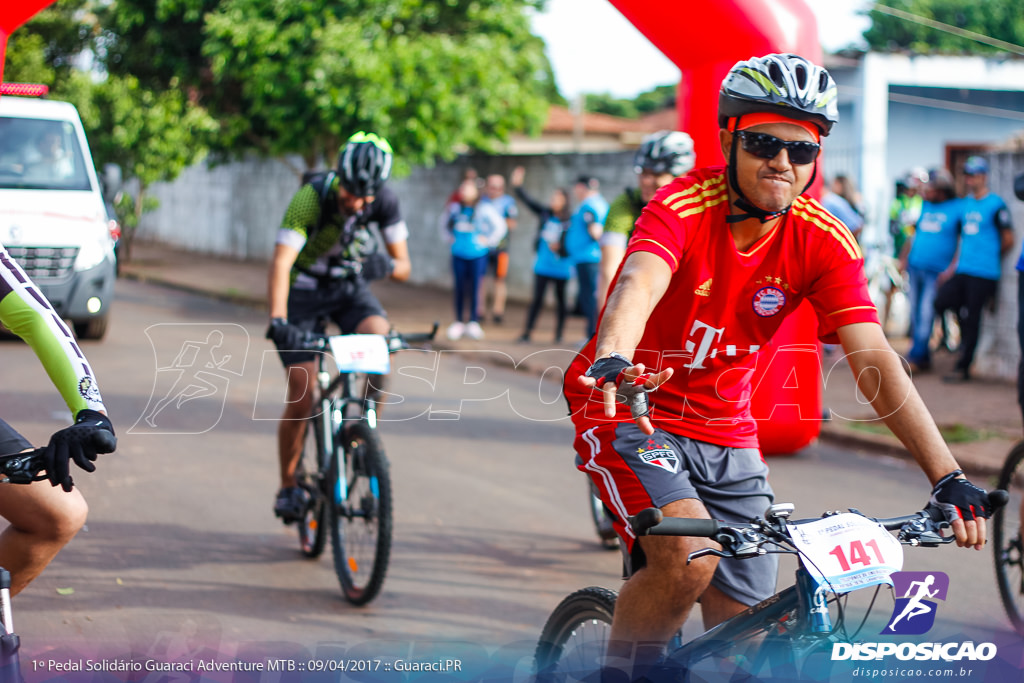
{"x": 984, "y": 412}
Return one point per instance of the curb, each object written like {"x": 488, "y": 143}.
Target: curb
{"x": 227, "y": 297}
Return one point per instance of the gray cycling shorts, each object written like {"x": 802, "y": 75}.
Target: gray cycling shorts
{"x": 634, "y": 471}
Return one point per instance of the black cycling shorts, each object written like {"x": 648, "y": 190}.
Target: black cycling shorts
{"x": 346, "y": 303}
{"x": 11, "y": 441}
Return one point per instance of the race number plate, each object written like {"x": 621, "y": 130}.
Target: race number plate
{"x": 845, "y": 552}
{"x": 361, "y": 353}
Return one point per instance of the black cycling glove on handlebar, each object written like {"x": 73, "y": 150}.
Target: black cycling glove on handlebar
{"x": 288, "y": 337}
{"x": 377, "y": 266}
{"x": 960, "y": 499}
{"x": 91, "y": 435}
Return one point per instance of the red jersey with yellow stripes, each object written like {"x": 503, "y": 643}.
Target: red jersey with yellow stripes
{"x": 716, "y": 320}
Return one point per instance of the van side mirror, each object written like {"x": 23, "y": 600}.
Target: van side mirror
{"x": 111, "y": 181}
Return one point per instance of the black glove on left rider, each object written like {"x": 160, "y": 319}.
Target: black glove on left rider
{"x": 960, "y": 499}
{"x": 91, "y": 435}
{"x": 288, "y": 337}
{"x": 377, "y": 266}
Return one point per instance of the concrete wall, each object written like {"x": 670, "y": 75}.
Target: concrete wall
{"x": 235, "y": 210}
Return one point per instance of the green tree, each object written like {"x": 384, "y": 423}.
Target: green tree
{"x": 153, "y": 136}
{"x": 1001, "y": 20}
{"x": 660, "y": 97}
{"x": 300, "y": 77}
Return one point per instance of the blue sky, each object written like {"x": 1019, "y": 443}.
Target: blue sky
{"x": 587, "y": 40}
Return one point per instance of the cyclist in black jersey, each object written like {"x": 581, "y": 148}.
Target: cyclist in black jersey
{"x": 328, "y": 250}
{"x": 44, "y": 518}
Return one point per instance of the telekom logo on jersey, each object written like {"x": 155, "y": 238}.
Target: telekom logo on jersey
{"x": 702, "y": 350}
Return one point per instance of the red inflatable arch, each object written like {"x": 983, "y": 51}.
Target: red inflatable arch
{"x": 13, "y": 15}
{"x": 704, "y": 38}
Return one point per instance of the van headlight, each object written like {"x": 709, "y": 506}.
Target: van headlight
{"x": 90, "y": 255}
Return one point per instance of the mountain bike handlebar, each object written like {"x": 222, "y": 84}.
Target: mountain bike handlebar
{"x": 23, "y": 468}
{"x": 921, "y": 528}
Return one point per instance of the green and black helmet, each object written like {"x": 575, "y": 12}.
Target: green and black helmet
{"x": 364, "y": 164}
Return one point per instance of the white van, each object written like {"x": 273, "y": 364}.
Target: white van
{"x": 53, "y": 220}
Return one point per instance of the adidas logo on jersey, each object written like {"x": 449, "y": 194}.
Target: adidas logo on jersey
{"x": 704, "y": 289}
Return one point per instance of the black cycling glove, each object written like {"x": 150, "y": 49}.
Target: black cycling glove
{"x": 288, "y": 337}
{"x": 632, "y": 394}
{"x": 608, "y": 369}
{"x": 960, "y": 499}
{"x": 377, "y": 266}
{"x": 91, "y": 435}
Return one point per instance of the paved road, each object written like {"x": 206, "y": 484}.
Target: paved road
{"x": 182, "y": 555}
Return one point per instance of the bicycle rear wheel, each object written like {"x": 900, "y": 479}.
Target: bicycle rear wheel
{"x": 361, "y": 519}
{"x": 313, "y": 525}
{"x": 1006, "y": 538}
{"x": 575, "y": 636}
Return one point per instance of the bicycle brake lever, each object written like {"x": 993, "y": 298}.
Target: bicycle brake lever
{"x": 703, "y": 552}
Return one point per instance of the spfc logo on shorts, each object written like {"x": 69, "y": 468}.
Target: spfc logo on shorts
{"x": 768, "y": 301}
{"x": 661, "y": 457}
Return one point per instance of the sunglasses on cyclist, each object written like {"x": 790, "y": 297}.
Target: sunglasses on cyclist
{"x": 764, "y": 146}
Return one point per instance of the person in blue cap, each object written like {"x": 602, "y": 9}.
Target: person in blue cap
{"x": 986, "y": 235}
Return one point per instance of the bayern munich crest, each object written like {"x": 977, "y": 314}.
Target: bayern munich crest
{"x": 768, "y": 301}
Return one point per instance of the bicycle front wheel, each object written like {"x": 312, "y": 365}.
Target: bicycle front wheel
{"x": 1006, "y": 538}
{"x": 360, "y": 513}
{"x": 575, "y": 637}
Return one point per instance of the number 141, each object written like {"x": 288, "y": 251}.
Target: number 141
{"x": 858, "y": 554}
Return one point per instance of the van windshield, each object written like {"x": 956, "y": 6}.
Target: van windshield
{"x": 40, "y": 154}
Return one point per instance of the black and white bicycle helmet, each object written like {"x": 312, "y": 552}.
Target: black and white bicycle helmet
{"x": 364, "y": 164}
{"x": 785, "y": 84}
{"x": 667, "y": 151}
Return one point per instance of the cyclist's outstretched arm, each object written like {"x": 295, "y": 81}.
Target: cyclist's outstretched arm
{"x": 644, "y": 279}
{"x": 880, "y": 374}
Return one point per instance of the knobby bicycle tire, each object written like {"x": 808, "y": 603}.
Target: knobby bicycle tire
{"x": 361, "y": 525}
{"x": 1006, "y": 539}
{"x": 575, "y": 636}
{"x": 313, "y": 525}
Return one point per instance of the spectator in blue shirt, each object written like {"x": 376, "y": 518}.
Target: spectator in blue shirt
{"x": 986, "y": 235}
{"x": 497, "y": 258}
{"x": 582, "y": 243}
{"x": 841, "y": 208}
{"x": 929, "y": 263}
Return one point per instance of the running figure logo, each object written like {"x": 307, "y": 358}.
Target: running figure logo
{"x": 195, "y": 365}
{"x": 914, "y": 613}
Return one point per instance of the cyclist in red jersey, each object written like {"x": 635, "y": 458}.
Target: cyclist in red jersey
{"x": 718, "y": 259}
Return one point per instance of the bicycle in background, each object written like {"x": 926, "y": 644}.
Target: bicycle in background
{"x": 788, "y": 636}
{"x": 1006, "y": 538}
{"x": 343, "y": 466}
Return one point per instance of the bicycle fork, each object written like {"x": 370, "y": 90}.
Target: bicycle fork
{"x": 10, "y": 668}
